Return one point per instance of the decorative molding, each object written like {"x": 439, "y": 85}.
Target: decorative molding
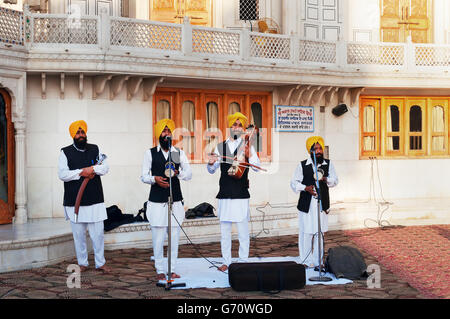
{"x": 286, "y": 93}
{"x": 297, "y": 95}
{"x": 61, "y": 86}
{"x": 354, "y": 96}
{"x": 149, "y": 87}
{"x": 43, "y": 86}
{"x": 98, "y": 85}
{"x": 133, "y": 85}
{"x": 342, "y": 94}
{"x": 80, "y": 85}
{"x": 116, "y": 85}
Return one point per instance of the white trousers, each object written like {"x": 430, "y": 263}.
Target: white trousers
{"x": 244, "y": 241}
{"x": 308, "y": 251}
{"x": 158, "y": 237}
{"x": 96, "y": 234}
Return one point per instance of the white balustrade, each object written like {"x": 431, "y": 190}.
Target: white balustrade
{"x": 11, "y": 27}
{"x": 103, "y": 32}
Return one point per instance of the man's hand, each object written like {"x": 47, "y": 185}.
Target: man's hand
{"x": 310, "y": 189}
{"x": 212, "y": 158}
{"x": 88, "y": 172}
{"x": 161, "y": 181}
{"x": 324, "y": 179}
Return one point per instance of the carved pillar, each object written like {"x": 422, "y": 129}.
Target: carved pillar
{"x": 21, "y": 215}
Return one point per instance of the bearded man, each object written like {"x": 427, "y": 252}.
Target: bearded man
{"x": 233, "y": 196}
{"x": 77, "y": 162}
{"x": 304, "y": 182}
{"x": 154, "y": 167}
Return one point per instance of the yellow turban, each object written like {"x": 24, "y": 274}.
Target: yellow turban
{"x": 237, "y": 116}
{"x": 161, "y": 125}
{"x": 313, "y": 140}
{"x": 73, "y": 128}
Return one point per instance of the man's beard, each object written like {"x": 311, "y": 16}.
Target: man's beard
{"x": 80, "y": 142}
{"x": 319, "y": 158}
{"x": 236, "y": 134}
{"x": 163, "y": 143}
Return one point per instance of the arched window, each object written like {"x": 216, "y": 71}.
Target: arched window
{"x": 369, "y": 125}
{"x": 163, "y": 110}
{"x": 415, "y": 128}
{"x": 234, "y": 107}
{"x": 188, "y": 118}
{"x": 393, "y": 128}
{"x": 438, "y": 129}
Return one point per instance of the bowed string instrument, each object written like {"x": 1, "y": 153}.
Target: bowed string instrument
{"x": 240, "y": 162}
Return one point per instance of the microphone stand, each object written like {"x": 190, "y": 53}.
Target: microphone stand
{"x": 169, "y": 281}
{"x": 319, "y": 231}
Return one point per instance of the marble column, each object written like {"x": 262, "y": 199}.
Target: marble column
{"x": 21, "y": 214}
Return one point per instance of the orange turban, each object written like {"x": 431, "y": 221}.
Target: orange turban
{"x": 161, "y": 125}
{"x": 237, "y": 116}
{"x": 313, "y": 140}
{"x": 73, "y": 128}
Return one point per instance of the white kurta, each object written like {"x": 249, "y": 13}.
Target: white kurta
{"x": 234, "y": 210}
{"x": 86, "y": 214}
{"x": 308, "y": 223}
{"x": 157, "y": 213}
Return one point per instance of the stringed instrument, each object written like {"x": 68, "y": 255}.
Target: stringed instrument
{"x": 240, "y": 161}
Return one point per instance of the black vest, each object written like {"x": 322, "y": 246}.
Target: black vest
{"x": 157, "y": 193}
{"x": 308, "y": 179}
{"x": 230, "y": 187}
{"x": 93, "y": 194}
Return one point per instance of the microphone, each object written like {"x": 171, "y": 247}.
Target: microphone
{"x": 167, "y": 138}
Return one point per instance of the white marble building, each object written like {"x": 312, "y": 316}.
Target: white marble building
{"x": 120, "y": 65}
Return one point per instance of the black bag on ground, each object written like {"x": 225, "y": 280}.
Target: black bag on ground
{"x": 346, "y": 262}
{"x": 202, "y": 210}
{"x": 116, "y": 218}
{"x": 266, "y": 276}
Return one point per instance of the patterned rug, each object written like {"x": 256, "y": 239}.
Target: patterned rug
{"x": 419, "y": 255}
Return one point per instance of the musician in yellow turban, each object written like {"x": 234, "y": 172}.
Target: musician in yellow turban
{"x": 156, "y": 169}
{"x": 304, "y": 182}
{"x": 233, "y": 197}
{"x": 77, "y": 162}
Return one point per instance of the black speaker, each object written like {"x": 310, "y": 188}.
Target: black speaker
{"x": 339, "y": 110}
{"x": 266, "y": 276}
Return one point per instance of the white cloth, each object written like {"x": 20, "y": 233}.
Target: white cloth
{"x": 157, "y": 213}
{"x": 198, "y": 273}
{"x": 97, "y": 237}
{"x": 225, "y": 241}
{"x": 86, "y": 214}
{"x": 233, "y": 210}
{"x": 308, "y": 222}
{"x": 159, "y": 235}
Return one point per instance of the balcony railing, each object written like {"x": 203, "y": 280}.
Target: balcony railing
{"x": 105, "y": 33}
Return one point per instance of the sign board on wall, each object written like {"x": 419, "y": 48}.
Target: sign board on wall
{"x": 294, "y": 118}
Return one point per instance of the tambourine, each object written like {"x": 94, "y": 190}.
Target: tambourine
{"x": 320, "y": 172}
{"x": 169, "y": 169}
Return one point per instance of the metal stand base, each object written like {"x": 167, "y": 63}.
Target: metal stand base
{"x": 320, "y": 278}
{"x": 169, "y": 285}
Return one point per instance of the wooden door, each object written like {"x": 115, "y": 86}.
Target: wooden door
{"x": 7, "y": 175}
{"x": 173, "y": 11}
{"x": 403, "y": 18}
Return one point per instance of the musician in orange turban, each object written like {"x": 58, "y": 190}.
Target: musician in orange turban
{"x": 77, "y": 162}
{"x": 156, "y": 169}
{"x": 304, "y": 182}
{"x": 233, "y": 197}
